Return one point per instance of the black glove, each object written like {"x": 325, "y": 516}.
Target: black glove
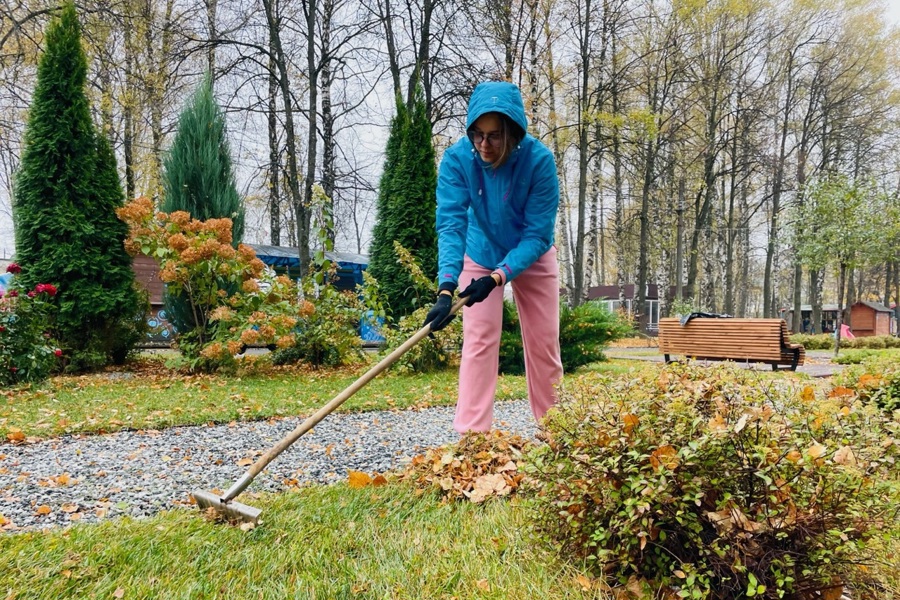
{"x": 479, "y": 289}
{"x": 439, "y": 315}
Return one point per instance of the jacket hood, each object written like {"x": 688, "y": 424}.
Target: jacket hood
{"x": 497, "y": 96}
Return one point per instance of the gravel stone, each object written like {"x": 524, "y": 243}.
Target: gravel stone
{"x": 83, "y": 478}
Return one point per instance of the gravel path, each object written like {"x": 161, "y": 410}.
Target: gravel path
{"x": 87, "y": 478}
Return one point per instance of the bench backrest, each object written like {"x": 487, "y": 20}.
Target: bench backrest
{"x": 732, "y": 338}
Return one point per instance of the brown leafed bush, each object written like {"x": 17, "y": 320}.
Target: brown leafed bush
{"x": 714, "y": 483}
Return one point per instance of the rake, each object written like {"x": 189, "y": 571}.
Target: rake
{"x": 228, "y": 507}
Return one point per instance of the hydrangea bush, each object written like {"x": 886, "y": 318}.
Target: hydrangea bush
{"x": 235, "y": 301}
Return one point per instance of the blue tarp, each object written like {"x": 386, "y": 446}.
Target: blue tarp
{"x": 285, "y": 257}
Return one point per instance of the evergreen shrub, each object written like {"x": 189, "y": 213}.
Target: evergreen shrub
{"x": 584, "y": 332}
{"x": 714, "y": 482}
{"x": 406, "y": 210}
{"x": 64, "y": 199}
{"x": 198, "y": 179}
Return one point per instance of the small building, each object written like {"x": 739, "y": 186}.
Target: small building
{"x": 609, "y": 295}
{"x": 146, "y": 273}
{"x": 829, "y": 318}
{"x": 870, "y": 318}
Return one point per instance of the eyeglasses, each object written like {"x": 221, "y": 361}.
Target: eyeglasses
{"x": 494, "y": 139}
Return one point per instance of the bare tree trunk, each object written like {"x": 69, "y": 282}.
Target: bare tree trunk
{"x": 312, "y": 120}
{"x": 128, "y": 110}
{"x": 579, "y": 292}
{"x": 157, "y": 51}
{"x": 393, "y": 60}
{"x": 842, "y": 282}
{"x": 421, "y": 74}
{"x": 301, "y": 213}
{"x": 888, "y": 276}
{"x": 329, "y": 175}
{"x": 816, "y": 277}
{"x": 562, "y": 221}
{"x": 595, "y": 233}
{"x": 743, "y": 300}
{"x": 274, "y": 154}
{"x": 211, "y": 8}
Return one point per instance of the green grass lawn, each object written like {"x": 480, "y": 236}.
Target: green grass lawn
{"x": 322, "y": 542}
{"x": 146, "y": 395}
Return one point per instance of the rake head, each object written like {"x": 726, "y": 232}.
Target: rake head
{"x": 231, "y": 510}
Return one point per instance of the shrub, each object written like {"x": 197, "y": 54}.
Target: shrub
{"x": 226, "y": 290}
{"x": 28, "y": 353}
{"x": 65, "y": 193}
{"x": 434, "y": 353}
{"x": 584, "y": 332}
{"x": 328, "y": 335}
{"x": 825, "y": 341}
{"x": 822, "y": 341}
{"x": 876, "y": 379}
{"x": 406, "y": 206}
{"x": 873, "y": 342}
{"x": 713, "y": 482}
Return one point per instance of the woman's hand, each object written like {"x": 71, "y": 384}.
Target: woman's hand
{"x": 479, "y": 289}
{"x": 439, "y": 316}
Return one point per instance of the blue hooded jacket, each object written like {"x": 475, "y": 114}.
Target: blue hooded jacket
{"x": 504, "y": 218}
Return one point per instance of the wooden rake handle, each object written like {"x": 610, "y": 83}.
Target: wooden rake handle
{"x": 263, "y": 461}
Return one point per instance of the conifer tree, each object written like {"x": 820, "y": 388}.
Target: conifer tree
{"x": 197, "y": 171}
{"x": 198, "y": 178}
{"x": 406, "y": 209}
{"x": 64, "y": 200}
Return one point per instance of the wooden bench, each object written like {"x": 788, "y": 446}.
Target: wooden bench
{"x": 744, "y": 340}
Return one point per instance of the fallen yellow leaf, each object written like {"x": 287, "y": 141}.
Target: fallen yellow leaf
{"x": 358, "y": 479}
{"x": 584, "y": 582}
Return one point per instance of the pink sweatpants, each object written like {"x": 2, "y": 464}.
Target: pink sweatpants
{"x": 536, "y": 293}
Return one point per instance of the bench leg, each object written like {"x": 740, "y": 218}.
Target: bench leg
{"x": 666, "y": 356}
{"x": 796, "y": 359}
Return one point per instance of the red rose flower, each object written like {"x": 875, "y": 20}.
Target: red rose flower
{"x": 13, "y": 293}
{"x": 31, "y": 294}
{"x": 14, "y": 369}
{"x": 57, "y": 352}
{"x": 47, "y": 288}
{"x": 13, "y": 268}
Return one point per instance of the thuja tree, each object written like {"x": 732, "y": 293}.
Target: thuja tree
{"x": 198, "y": 179}
{"x": 406, "y": 207}
{"x": 64, "y": 200}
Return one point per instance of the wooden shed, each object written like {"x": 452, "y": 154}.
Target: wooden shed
{"x": 146, "y": 273}
{"x": 870, "y": 318}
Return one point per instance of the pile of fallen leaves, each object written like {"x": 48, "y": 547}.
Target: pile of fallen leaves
{"x": 479, "y": 466}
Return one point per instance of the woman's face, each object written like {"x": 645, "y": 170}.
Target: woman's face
{"x": 487, "y": 129}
